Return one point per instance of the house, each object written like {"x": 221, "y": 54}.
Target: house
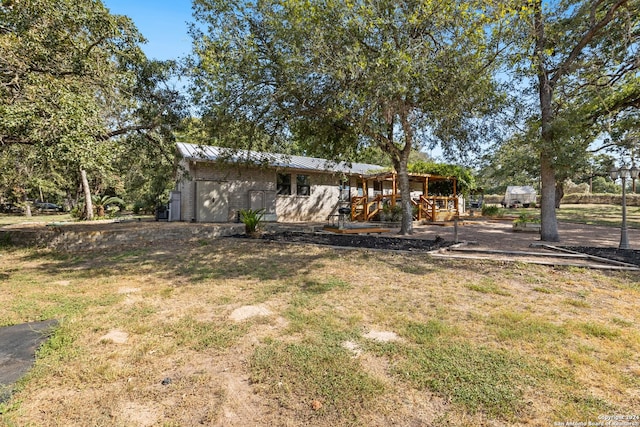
{"x": 219, "y": 182}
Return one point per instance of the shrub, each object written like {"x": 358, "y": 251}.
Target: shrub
{"x": 490, "y": 210}
{"x": 252, "y": 219}
{"x": 392, "y": 213}
{"x": 524, "y": 218}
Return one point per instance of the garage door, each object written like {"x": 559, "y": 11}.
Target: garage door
{"x": 213, "y": 201}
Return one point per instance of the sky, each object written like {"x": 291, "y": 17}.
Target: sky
{"x": 162, "y": 22}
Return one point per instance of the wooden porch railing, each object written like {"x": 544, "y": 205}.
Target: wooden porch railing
{"x": 363, "y": 209}
{"x": 430, "y": 208}
{"x": 437, "y": 208}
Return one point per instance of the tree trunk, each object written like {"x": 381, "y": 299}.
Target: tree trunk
{"x": 88, "y": 205}
{"x": 559, "y": 193}
{"x": 27, "y": 208}
{"x": 549, "y": 222}
{"x": 406, "y": 227}
{"x": 401, "y": 164}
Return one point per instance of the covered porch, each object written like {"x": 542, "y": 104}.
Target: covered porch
{"x": 434, "y": 198}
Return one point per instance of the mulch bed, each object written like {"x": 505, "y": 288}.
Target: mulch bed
{"x": 629, "y": 256}
{"x": 357, "y": 241}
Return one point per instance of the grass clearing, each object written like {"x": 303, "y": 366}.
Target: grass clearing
{"x": 592, "y": 214}
{"x": 476, "y": 342}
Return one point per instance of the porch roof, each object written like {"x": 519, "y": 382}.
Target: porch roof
{"x": 209, "y": 153}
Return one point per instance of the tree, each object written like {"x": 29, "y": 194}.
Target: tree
{"x": 337, "y": 76}
{"x": 73, "y": 78}
{"x": 465, "y": 181}
{"x": 572, "y": 48}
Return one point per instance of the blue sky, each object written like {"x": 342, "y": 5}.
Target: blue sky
{"x": 162, "y": 22}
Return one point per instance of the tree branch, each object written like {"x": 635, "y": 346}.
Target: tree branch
{"x": 563, "y": 68}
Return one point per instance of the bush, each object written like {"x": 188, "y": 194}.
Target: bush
{"x": 525, "y": 218}
{"x": 391, "y": 213}
{"x": 490, "y": 210}
{"x": 252, "y": 219}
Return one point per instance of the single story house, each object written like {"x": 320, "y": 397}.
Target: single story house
{"x": 218, "y": 182}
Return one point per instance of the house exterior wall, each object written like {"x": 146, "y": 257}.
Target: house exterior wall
{"x": 242, "y": 183}
{"x": 250, "y": 187}
{"x": 322, "y": 201}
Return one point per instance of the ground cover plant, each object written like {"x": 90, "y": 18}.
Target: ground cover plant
{"x": 246, "y": 332}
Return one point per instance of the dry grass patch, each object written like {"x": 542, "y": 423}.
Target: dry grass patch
{"x": 480, "y": 343}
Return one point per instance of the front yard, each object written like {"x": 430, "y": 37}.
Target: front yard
{"x": 235, "y": 332}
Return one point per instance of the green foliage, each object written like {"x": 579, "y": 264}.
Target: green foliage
{"x": 73, "y": 80}
{"x": 465, "y": 179}
{"x": 391, "y": 213}
{"x": 525, "y": 218}
{"x": 343, "y": 77}
{"x": 490, "y": 210}
{"x": 101, "y": 202}
{"x": 252, "y": 219}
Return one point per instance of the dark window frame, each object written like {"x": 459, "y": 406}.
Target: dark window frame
{"x": 303, "y": 185}
{"x": 283, "y": 184}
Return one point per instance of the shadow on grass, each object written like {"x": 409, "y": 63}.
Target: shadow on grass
{"x": 195, "y": 262}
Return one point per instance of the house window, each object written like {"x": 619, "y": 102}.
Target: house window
{"x": 284, "y": 183}
{"x": 345, "y": 191}
{"x": 303, "y": 185}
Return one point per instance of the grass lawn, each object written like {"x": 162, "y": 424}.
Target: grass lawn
{"x": 9, "y": 219}
{"x": 609, "y": 215}
{"x": 163, "y": 336}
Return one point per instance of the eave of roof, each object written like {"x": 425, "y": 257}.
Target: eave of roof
{"x": 208, "y": 153}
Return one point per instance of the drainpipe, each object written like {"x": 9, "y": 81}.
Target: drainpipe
{"x": 195, "y": 193}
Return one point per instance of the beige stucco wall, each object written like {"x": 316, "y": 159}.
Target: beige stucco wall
{"x": 322, "y": 202}
{"x": 242, "y": 181}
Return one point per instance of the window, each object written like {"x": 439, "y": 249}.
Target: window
{"x": 345, "y": 191}
{"x": 284, "y": 183}
{"x": 303, "y": 187}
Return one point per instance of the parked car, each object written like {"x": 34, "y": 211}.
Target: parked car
{"x": 48, "y": 207}
{"x": 10, "y": 208}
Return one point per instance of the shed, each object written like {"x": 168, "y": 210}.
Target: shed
{"x": 519, "y": 195}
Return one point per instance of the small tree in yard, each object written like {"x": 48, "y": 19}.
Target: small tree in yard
{"x": 101, "y": 202}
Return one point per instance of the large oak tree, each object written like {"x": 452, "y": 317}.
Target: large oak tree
{"x": 573, "y": 51}
{"x": 73, "y": 79}
{"x": 336, "y": 76}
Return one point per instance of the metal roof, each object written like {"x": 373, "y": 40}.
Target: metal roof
{"x": 211, "y": 153}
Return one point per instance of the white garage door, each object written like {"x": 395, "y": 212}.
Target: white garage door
{"x": 213, "y": 201}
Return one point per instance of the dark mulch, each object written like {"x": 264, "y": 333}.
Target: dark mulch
{"x": 357, "y": 241}
{"x": 375, "y": 241}
{"x": 630, "y": 256}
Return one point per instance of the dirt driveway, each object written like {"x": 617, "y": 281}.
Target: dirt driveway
{"x": 497, "y": 234}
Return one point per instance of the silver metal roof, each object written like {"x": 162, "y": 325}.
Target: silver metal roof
{"x": 210, "y": 153}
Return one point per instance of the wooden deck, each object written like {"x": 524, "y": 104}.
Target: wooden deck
{"x": 356, "y": 230}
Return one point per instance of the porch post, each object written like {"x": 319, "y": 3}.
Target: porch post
{"x": 394, "y": 188}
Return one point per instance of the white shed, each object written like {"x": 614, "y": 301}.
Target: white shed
{"x": 519, "y": 195}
